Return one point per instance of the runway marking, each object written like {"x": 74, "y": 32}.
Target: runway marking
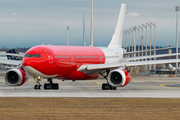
{"x": 96, "y": 83}
{"x": 169, "y": 85}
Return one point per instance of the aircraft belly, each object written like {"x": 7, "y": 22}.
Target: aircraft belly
{"x": 33, "y": 72}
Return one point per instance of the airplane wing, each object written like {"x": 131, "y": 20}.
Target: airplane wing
{"x": 152, "y": 56}
{"x": 20, "y": 55}
{"x": 98, "y": 67}
{"x": 127, "y": 53}
{"x": 10, "y": 62}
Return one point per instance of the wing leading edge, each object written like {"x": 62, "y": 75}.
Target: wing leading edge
{"x": 152, "y": 56}
{"x": 98, "y": 67}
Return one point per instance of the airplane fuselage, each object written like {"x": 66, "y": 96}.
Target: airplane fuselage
{"x": 62, "y": 62}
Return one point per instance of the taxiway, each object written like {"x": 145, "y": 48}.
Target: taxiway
{"x": 139, "y": 87}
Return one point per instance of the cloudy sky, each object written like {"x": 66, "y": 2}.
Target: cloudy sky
{"x": 26, "y": 23}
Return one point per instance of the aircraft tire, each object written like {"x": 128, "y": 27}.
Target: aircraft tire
{"x": 38, "y": 87}
{"x": 55, "y": 86}
{"x": 104, "y": 86}
{"x": 113, "y": 88}
{"x": 46, "y": 86}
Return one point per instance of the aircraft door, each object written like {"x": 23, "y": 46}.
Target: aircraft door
{"x": 50, "y": 57}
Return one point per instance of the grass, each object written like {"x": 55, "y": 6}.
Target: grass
{"x": 88, "y": 108}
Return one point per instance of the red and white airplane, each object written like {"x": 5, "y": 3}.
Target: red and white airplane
{"x": 78, "y": 63}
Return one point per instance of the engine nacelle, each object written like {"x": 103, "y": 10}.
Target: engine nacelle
{"x": 15, "y": 77}
{"x": 119, "y": 78}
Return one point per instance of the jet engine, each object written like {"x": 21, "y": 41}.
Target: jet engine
{"x": 15, "y": 77}
{"x": 119, "y": 78}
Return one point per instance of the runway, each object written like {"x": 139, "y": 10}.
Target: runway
{"x": 139, "y": 87}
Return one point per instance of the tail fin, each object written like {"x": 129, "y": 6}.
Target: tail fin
{"x": 118, "y": 33}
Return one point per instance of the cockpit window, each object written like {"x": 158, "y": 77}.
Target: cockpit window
{"x": 27, "y": 55}
{"x": 33, "y": 55}
{"x": 38, "y": 55}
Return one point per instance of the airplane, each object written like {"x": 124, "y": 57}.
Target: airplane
{"x": 172, "y": 68}
{"x": 11, "y": 54}
{"x": 77, "y": 63}
{"x": 13, "y": 57}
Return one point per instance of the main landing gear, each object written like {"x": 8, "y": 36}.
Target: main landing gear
{"x": 51, "y": 85}
{"x": 106, "y": 86}
{"x": 47, "y": 86}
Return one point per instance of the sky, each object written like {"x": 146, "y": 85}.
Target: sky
{"x": 27, "y": 23}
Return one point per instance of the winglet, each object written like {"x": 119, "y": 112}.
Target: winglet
{"x": 118, "y": 33}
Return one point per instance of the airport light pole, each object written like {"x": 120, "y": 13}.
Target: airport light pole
{"x": 91, "y": 22}
{"x": 141, "y": 38}
{"x": 134, "y": 39}
{"x": 84, "y": 37}
{"x": 150, "y": 44}
{"x": 138, "y": 41}
{"x": 129, "y": 41}
{"x": 67, "y": 35}
{"x": 123, "y": 39}
{"x": 126, "y": 39}
{"x": 125, "y": 42}
{"x": 150, "y": 37}
{"x": 177, "y": 8}
{"x": 129, "y": 38}
{"x": 145, "y": 26}
{"x": 154, "y": 25}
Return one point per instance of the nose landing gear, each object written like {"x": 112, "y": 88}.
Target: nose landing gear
{"x": 38, "y": 86}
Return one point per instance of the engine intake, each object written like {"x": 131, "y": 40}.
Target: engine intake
{"x": 119, "y": 78}
{"x": 15, "y": 77}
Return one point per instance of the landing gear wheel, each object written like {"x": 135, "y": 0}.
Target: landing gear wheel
{"x": 46, "y": 86}
{"x": 113, "y": 88}
{"x": 38, "y": 87}
{"x": 107, "y": 86}
{"x": 55, "y": 86}
{"x": 51, "y": 85}
{"x": 104, "y": 86}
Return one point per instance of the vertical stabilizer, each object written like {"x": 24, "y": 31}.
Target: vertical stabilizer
{"x": 118, "y": 33}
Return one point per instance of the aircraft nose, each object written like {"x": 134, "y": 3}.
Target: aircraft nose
{"x": 26, "y": 62}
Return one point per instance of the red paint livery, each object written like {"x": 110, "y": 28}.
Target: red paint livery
{"x": 63, "y": 61}
{"x": 128, "y": 78}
